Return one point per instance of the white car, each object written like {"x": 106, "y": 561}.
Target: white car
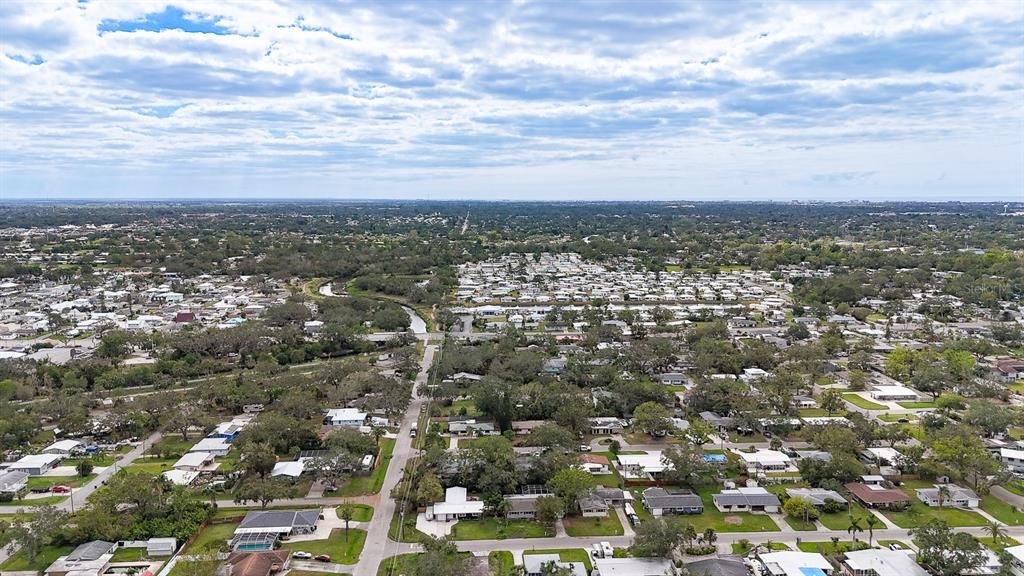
{"x": 302, "y": 555}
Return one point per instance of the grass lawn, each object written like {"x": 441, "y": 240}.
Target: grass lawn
{"x": 169, "y": 445}
{"x": 501, "y": 561}
{"x": 897, "y": 417}
{"x": 580, "y": 526}
{"x": 841, "y": 520}
{"x": 190, "y": 567}
{"x": 409, "y": 532}
{"x": 48, "y": 481}
{"x": 151, "y": 465}
{"x": 129, "y": 555}
{"x": 499, "y": 529}
{"x": 307, "y": 573}
{"x": 813, "y": 412}
{"x": 466, "y": 407}
{"x": 360, "y": 512}
{"x": 342, "y": 550}
{"x": 212, "y": 538}
{"x": 1015, "y": 486}
{"x": 401, "y": 564}
{"x": 919, "y": 514}
{"x": 830, "y": 549}
{"x": 728, "y": 522}
{"x": 574, "y": 555}
{"x": 608, "y": 480}
{"x": 862, "y": 402}
{"x": 910, "y": 405}
{"x": 997, "y": 546}
{"x": 371, "y": 484}
{"x": 1003, "y": 512}
{"x": 799, "y": 525}
{"x": 46, "y": 556}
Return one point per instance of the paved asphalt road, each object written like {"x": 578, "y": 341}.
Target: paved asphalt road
{"x": 378, "y": 546}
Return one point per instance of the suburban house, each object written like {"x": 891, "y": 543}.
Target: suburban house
{"x": 878, "y": 495}
{"x": 956, "y": 496}
{"x": 882, "y": 562}
{"x": 180, "y": 477}
{"x": 1012, "y": 459}
{"x": 754, "y": 499}
{"x": 472, "y": 427}
{"x": 13, "y": 482}
{"x": 289, "y": 469}
{"x": 522, "y": 506}
{"x": 35, "y": 464}
{"x": 214, "y": 446}
{"x": 456, "y": 506}
{"x": 64, "y": 447}
{"x": 765, "y": 461}
{"x": 647, "y": 465}
{"x": 631, "y": 566}
{"x": 789, "y": 563}
{"x": 817, "y": 496}
{"x": 524, "y": 427}
{"x": 673, "y": 379}
{"x": 194, "y": 461}
{"x": 535, "y": 564}
{"x": 893, "y": 393}
{"x": 91, "y": 558}
{"x": 258, "y": 563}
{"x": 720, "y": 566}
{"x": 1008, "y": 370}
{"x": 605, "y": 425}
{"x": 592, "y": 506}
{"x": 161, "y": 546}
{"x": 351, "y": 417}
{"x": 260, "y": 529}
{"x": 595, "y": 464}
{"x": 661, "y": 502}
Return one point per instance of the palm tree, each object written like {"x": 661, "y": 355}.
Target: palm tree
{"x": 710, "y": 536}
{"x": 943, "y": 494}
{"x": 872, "y": 522}
{"x": 689, "y": 535}
{"x": 854, "y": 528}
{"x": 995, "y": 529}
{"x": 378, "y": 432}
{"x": 346, "y": 512}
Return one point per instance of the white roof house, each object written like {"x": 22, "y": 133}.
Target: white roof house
{"x": 631, "y": 566}
{"x": 215, "y": 446}
{"x": 795, "y": 563}
{"x": 456, "y": 505}
{"x": 63, "y": 447}
{"x": 292, "y": 469}
{"x": 642, "y": 465}
{"x": 36, "y": 464}
{"x": 345, "y": 417}
{"x": 885, "y": 562}
{"x": 193, "y": 461}
{"x": 765, "y": 460}
{"x": 181, "y": 477}
{"x": 893, "y": 393}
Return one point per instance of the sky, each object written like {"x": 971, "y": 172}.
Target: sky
{"x": 532, "y": 100}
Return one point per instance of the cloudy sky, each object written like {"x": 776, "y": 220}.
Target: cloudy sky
{"x": 584, "y": 99}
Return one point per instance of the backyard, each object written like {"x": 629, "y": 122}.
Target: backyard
{"x": 341, "y": 549}
{"x": 371, "y": 483}
{"x": 573, "y": 555}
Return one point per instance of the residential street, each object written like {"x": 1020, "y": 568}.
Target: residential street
{"x": 378, "y": 546}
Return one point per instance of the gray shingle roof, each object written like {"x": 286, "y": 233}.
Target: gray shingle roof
{"x": 273, "y": 518}
{"x": 661, "y": 498}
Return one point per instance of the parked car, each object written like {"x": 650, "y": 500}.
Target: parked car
{"x": 40, "y": 490}
{"x": 61, "y": 489}
{"x": 302, "y": 555}
{"x": 323, "y": 558}
{"x": 585, "y": 448}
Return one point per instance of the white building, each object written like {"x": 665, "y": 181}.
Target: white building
{"x": 884, "y": 562}
{"x": 35, "y": 464}
{"x": 215, "y": 446}
{"x": 794, "y": 564}
{"x": 345, "y": 417}
{"x": 645, "y": 465}
{"x": 456, "y": 506}
{"x": 64, "y": 447}
{"x": 765, "y": 461}
{"x": 893, "y": 393}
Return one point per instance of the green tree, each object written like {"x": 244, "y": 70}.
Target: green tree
{"x": 831, "y": 401}
{"x": 263, "y": 490}
{"x": 84, "y": 468}
{"x": 549, "y": 509}
{"x": 32, "y": 534}
{"x": 944, "y": 552}
{"x": 428, "y": 490}
{"x": 571, "y": 484}
{"x": 657, "y": 537}
{"x": 652, "y": 418}
{"x": 801, "y": 508}
{"x": 346, "y": 512}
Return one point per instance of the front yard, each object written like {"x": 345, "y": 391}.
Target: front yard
{"x": 574, "y": 555}
{"x": 580, "y": 526}
{"x": 1002, "y": 511}
{"x": 861, "y": 402}
{"x": 499, "y": 529}
{"x": 728, "y": 522}
{"x": 919, "y": 513}
{"x": 341, "y": 549}
{"x": 45, "y": 557}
